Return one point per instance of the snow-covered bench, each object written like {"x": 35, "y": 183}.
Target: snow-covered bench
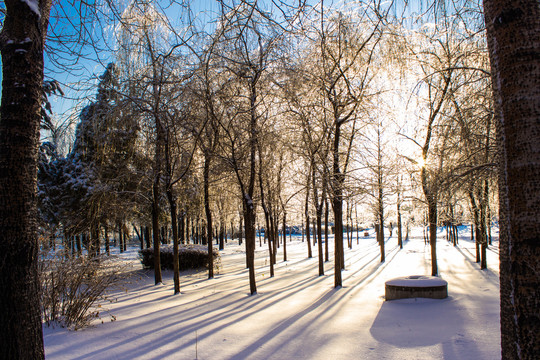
{"x": 416, "y": 286}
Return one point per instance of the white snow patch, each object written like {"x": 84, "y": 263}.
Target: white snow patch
{"x": 34, "y": 6}
{"x": 417, "y": 281}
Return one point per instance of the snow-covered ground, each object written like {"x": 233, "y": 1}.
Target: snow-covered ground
{"x": 299, "y": 315}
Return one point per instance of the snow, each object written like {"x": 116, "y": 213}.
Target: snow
{"x": 297, "y": 314}
{"x": 417, "y": 281}
{"x": 34, "y": 6}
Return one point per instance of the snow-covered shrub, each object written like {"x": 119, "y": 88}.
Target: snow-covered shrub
{"x": 73, "y": 289}
{"x": 190, "y": 257}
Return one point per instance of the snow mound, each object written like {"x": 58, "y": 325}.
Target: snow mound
{"x": 417, "y": 281}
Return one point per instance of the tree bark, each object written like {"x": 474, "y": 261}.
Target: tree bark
{"x": 285, "y": 236}
{"x": 432, "y": 216}
{"x": 174, "y": 216}
{"x": 306, "y": 212}
{"x": 326, "y": 213}
{"x": 249, "y": 221}
{"x": 208, "y": 212}
{"x": 513, "y": 34}
{"x": 21, "y": 47}
{"x": 399, "y": 225}
{"x": 337, "y": 203}
{"x": 155, "y": 232}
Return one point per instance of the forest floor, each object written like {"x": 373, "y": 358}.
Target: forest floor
{"x": 297, "y": 314}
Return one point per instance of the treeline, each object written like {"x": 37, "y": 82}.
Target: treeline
{"x": 294, "y": 114}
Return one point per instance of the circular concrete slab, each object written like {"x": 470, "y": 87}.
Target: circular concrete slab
{"x": 416, "y": 286}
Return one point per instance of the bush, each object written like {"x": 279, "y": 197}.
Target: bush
{"x": 190, "y": 257}
{"x": 73, "y": 288}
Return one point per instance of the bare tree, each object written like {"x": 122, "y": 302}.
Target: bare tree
{"x": 347, "y": 46}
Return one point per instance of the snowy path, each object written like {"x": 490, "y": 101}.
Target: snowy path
{"x": 298, "y": 315}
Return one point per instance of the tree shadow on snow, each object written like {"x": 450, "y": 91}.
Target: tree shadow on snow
{"x": 417, "y": 322}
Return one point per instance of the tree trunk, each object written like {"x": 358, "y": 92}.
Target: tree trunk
{"x": 399, "y": 226}
{"x": 380, "y": 213}
{"x": 484, "y": 204}
{"x": 174, "y": 216}
{"x": 155, "y": 233}
{"x": 476, "y": 222}
{"x": 208, "y": 212}
{"x": 147, "y": 237}
{"x": 21, "y": 46}
{"x": 107, "y": 244}
{"x": 174, "y": 226}
{"x": 249, "y": 221}
{"x": 338, "y": 241}
{"x": 516, "y": 81}
{"x": 432, "y": 217}
{"x": 240, "y": 234}
{"x": 78, "y": 244}
{"x": 274, "y": 220}
{"x": 268, "y": 232}
{"x": 347, "y": 226}
{"x": 285, "y": 236}
{"x": 306, "y": 212}
{"x": 125, "y": 240}
{"x": 326, "y": 213}
{"x": 319, "y": 235}
{"x": 93, "y": 249}
{"x": 221, "y": 235}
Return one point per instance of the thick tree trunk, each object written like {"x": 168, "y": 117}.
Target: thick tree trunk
{"x": 513, "y": 33}
{"x": 21, "y": 45}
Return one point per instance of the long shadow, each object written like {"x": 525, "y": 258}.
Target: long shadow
{"x": 283, "y": 325}
{"x": 488, "y": 274}
{"x": 330, "y": 300}
{"x": 243, "y": 309}
{"x": 231, "y": 283}
{"x": 237, "y": 309}
{"x": 299, "y": 284}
